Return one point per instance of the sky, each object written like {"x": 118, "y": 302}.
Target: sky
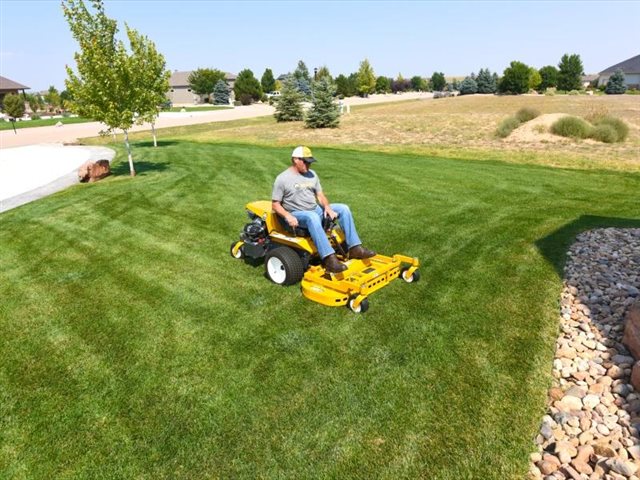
{"x": 399, "y": 37}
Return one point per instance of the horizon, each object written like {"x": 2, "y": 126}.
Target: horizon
{"x": 408, "y": 38}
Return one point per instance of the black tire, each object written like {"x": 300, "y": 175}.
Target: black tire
{"x": 363, "y": 307}
{"x": 240, "y": 253}
{"x": 413, "y": 278}
{"x": 283, "y": 266}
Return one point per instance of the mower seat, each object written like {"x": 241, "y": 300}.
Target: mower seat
{"x": 295, "y": 231}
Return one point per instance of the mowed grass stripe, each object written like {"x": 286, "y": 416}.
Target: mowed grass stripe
{"x": 138, "y": 347}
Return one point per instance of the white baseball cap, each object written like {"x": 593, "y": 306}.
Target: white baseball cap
{"x": 304, "y": 153}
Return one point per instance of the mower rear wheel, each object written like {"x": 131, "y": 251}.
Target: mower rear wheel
{"x": 284, "y": 266}
{"x": 410, "y": 279}
{"x": 238, "y": 253}
{"x": 363, "y": 307}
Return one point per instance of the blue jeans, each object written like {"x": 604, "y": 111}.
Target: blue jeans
{"x": 312, "y": 221}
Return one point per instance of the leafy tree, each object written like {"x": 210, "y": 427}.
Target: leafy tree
{"x": 302, "y": 72}
{"x": 35, "y": 102}
{"x": 569, "y": 72}
{"x": 468, "y": 86}
{"x": 203, "y": 80}
{"x": 267, "y": 81}
{"x": 366, "y": 78}
{"x": 221, "y": 93}
{"x": 324, "y": 112}
{"x": 418, "y": 83}
{"x": 486, "y": 82}
{"x": 247, "y": 88}
{"x": 323, "y": 72}
{"x": 105, "y": 87}
{"x": 383, "y": 85}
{"x": 13, "y": 105}
{"x": 346, "y": 86}
{"x": 151, "y": 81}
{"x": 400, "y": 84}
{"x": 548, "y": 77}
{"x": 534, "y": 79}
{"x": 52, "y": 98}
{"x": 289, "y": 106}
{"x": 438, "y": 81}
{"x": 615, "y": 84}
{"x": 515, "y": 79}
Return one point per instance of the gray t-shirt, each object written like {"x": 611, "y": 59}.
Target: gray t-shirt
{"x": 295, "y": 191}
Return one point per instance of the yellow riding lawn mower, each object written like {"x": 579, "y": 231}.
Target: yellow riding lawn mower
{"x": 291, "y": 256}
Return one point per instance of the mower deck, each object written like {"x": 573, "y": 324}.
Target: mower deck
{"x": 355, "y": 284}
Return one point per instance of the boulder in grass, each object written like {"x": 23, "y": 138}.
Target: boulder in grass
{"x": 92, "y": 171}
{"x": 631, "y": 338}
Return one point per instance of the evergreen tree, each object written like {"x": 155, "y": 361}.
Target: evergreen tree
{"x": 302, "y": 72}
{"x": 486, "y": 83}
{"x": 323, "y": 72}
{"x": 324, "y": 112}
{"x": 515, "y": 79}
{"x": 615, "y": 84}
{"x": 304, "y": 86}
{"x": 569, "y": 72}
{"x": 468, "y": 86}
{"x": 13, "y": 105}
{"x": 267, "y": 81}
{"x": 438, "y": 81}
{"x": 289, "y": 106}
{"x": 342, "y": 85}
{"x": 549, "y": 77}
{"x": 247, "y": 87}
{"x": 366, "y": 78}
{"x": 221, "y": 93}
{"x": 203, "y": 80}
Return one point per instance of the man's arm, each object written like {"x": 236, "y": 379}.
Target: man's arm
{"x": 324, "y": 203}
{"x": 279, "y": 209}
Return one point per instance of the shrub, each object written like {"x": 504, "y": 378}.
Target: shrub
{"x": 35, "y": 116}
{"x": 621, "y": 128}
{"x": 507, "y": 126}
{"x": 604, "y": 133}
{"x": 468, "y": 86}
{"x": 551, "y": 91}
{"x": 525, "y": 114}
{"x": 633, "y": 91}
{"x": 615, "y": 84}
{"x": 246, "y": 99}
{"x": 540, "y": 129}
{"x": 572, "y": 127}
{"x": 573, "y": 92}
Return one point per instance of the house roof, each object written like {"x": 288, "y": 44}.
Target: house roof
{"x": 7, "y": 84}
{"x": 181, "y": 79}
{"x": 629, "y": 66}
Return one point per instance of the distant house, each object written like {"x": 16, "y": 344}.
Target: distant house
{"x": 589, "y": 80}
{"x": 630, "y": 68}
{"x": 180, "y": 92}
{"x": 9, "y": 86}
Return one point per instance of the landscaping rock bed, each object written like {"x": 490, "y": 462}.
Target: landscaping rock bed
{"x": 591, "y": 429}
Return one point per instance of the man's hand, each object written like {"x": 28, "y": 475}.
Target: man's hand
{"x": 328, "y": 212}
{"x": 292, "y": 221}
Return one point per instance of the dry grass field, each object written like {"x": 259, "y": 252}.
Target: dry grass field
{"x": 460, "y": 127}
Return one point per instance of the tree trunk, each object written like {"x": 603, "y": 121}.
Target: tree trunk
{"x": 126, "y": 142}
{"x": 153, "y": 131}
{"x": 14, "y": 126}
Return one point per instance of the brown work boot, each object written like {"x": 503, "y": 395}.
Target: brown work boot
{"x": 360, "y": 252}
{"x": 331, "y": 264}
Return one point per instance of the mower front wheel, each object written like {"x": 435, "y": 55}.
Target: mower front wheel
{"x": 237, "y": 251}
{"x": 410, "y": 278}
{"x": 284, "y": 266}
{"x": 361, "y": 308}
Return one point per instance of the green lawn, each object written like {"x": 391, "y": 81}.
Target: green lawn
{"x": 134, "y": 346}
{"x": 46, "y": 122}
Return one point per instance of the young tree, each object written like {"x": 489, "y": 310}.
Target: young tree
{"x": 247, "y": 88}
{"x": 221, "y": 93}
{"x": 534, "y": 79}
{"x": 324, "y": 112}
{"x": 52, "y": 98}
{"x": 267, "y": 81}
{"x": 548, "y": 77}
{"x": 468, "y": 86}
{"x": 323, "y": 72}
{"x": 342, "y": 85}
{"x": 203, "y": 80}
{"x": 615, "y": 84}
{"x": 383, "y": 85}
{"x": 35, "y": 102}
{"x": 104, "y": 87}
{"x": 418, "y": 83}
{"x": 366, "y": 78}
{"x": 515, "y": 79}
{"x": 151, "y": 81}
{"x": 13, "y": 105}
{"x": 302, "y": 72}
{"x": 438, "y": 81}
{"x": 486, "y": 82}
{"x": 569, "y": 72}
{"x": 289, "y": 106}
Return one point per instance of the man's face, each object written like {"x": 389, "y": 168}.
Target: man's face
{"x": 301, "y": 165}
